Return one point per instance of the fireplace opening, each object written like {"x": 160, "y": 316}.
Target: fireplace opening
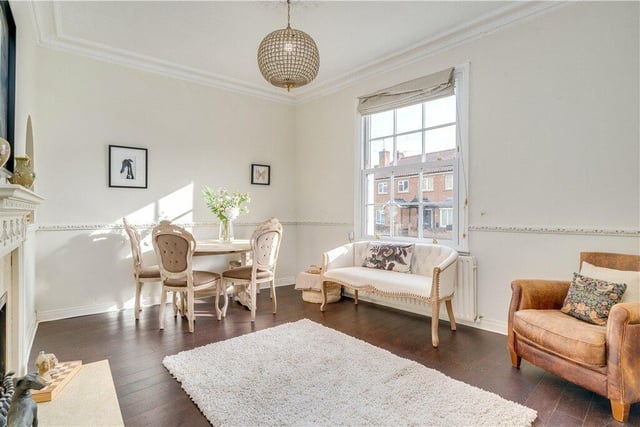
{"x": 3, "y": 333}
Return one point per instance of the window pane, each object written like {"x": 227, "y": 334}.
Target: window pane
{"x": 382, "y": 124}
{"x": 409, "y": 148}
{"x": 436, "y": 225}
{"x": 409, "y": 118}
{"x": 406, "y": 220}
{"x": 378, "y": 220}
{"x": 440, "y": 139}
{"x": 377, "y": 189}
{"x": 380, "y": 153}
{"x": 440, "y": 111}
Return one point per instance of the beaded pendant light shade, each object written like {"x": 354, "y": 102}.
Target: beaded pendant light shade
{"x": 288, "y": 58}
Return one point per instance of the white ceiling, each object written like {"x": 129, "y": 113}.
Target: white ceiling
{"x": 215, "y": 42}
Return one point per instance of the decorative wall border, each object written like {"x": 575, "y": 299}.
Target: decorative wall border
{"x": 584, "y": 231}
{"x": 119, "y": 226}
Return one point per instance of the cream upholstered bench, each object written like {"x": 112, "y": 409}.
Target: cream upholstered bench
{"x": 421, "y": 271}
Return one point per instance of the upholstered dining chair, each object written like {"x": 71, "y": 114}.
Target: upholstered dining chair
{"x": 602, "y": 358}
{"x": 174, "y": 248}
{"x": 265, "y": 247}
{"x": 141, "y": 273}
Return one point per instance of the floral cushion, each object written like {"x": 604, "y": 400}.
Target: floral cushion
{"x": 591, "y": 299}
{"x": 386, "y": 256}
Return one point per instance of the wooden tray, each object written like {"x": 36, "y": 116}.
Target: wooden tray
{"x": 60, "y": 376}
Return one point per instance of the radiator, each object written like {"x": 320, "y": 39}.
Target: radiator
{"x": 464, "y": 299}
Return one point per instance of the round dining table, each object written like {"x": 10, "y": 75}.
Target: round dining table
{"x": 217, "y": 247}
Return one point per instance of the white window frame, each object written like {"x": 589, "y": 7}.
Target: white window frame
{"x": 460, "y": 231}
{"x": 381, "y": 217}
{"x": 449, "y": 216}
{"x": 383, "y": 188}
{"x": 405, "y": 185}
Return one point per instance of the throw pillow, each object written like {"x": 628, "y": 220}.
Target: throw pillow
{"x": 591, "y": 299}
{"x": 631, "y": 278}
{"x": 387, "y": 256}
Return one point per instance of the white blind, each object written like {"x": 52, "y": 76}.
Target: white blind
{"x": 422, "y": 89}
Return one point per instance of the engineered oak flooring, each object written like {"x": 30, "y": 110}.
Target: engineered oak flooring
{"x": 149, "y": 396}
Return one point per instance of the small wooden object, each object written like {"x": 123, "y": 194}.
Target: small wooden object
{"x": 60, "y": 376}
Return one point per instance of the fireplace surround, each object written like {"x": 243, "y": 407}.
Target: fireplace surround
{"x": 17, "y": 273}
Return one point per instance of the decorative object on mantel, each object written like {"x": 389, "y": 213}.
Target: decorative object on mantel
{"x": 60, "y": 376}
{"x": 288, "y": 58}
{"x": 45, "y": 362}
{"x": 7, "y": 388}
{"x": 260, "y": 174}
{"x": 23, "y": 173}
{"x": 127, "y": 167}
{"x": 227, "y": 207}
{"x": 5, "y": 151}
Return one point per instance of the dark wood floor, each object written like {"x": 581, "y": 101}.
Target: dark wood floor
{"x": 148, "y": 395}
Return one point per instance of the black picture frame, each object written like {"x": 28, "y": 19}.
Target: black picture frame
{"x": 7, "y": 78}
{"x": 260, "y": 174}
{"x": 128, "y": 167}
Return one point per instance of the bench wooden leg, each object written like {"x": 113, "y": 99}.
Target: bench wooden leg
{"x": 620, "y": 411}
{"x": 452, "y": 319}
{"x": 435, "y": 317}
{"x": 355, "y": 299}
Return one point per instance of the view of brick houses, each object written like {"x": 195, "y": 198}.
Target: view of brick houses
{"x": 410, "y": 159}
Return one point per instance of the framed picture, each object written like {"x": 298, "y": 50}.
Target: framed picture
{"x": 7, "y": 77}
{"x": 127, "y": 167}
{"x": 260, "y": 174}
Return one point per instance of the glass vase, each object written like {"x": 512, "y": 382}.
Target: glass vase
{"x": 225, "y": 233}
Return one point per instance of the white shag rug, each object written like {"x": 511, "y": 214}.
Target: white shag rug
{"x": 304, "y": 373}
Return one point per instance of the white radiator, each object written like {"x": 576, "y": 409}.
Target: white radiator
{"x": 464, "y": 299}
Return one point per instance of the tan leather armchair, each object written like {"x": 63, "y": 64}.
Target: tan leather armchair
{"x": 603, "y": 359}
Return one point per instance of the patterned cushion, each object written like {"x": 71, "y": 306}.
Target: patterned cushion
{"x": 591, "y": 299}
{"x": 388, "y": 256}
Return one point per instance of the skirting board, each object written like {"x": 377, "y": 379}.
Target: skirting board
{"x": 65, "y": 313}
{"x": 498, "y": 327}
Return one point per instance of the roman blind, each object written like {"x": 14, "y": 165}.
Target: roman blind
{"x": 422, "y": 89}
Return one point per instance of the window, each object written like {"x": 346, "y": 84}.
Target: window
{"x": 427, "y": 183}
{"x": 448, "y": 181}
{"x": 382, "y": 188}
{"x": 418, "y": 148}
{"x": 446, "y": 217}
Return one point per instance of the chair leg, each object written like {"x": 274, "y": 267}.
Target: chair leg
{"x": 355, "y": 299}
{"x": 191, "y": 310}
{"x": 323, "y": 291}
{"x": 174, "y": 300}
{"x": 218, "y": 289}
{"x": 253, "y": 301}
{"x": 225, "y": 306}
{"x": 435, "y": 318}
{"x": 273, "y": 296}
{"x": 515, "y": 359}
{"x": 137, "y": 302}
{"x": 452, "y": 319}
{"x": 620, "y": 411}
{"x": 163, "y": 302}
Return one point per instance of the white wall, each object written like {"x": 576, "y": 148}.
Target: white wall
{"x": 195, "y": 135}
{"x": 554, "y": 142}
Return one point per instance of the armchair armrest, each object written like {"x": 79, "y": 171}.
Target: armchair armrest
{"x": 341, "y": 256}
{"x": 535, "y": 294}
{"x": 445, "y": 274}
{"x": 623, "y": 347}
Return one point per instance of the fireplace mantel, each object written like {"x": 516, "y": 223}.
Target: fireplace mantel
{"x": 17, "y": 259}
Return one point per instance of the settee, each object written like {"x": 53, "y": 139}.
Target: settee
{"x": 420, "y": 271}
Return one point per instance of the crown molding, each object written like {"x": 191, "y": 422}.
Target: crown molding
{"x": 46, "y": 17}
{"x": 484, "y": 25}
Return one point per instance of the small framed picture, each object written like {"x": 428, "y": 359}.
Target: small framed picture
{"x": 127, "y": 167}
{"x": 260, "y": 174}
